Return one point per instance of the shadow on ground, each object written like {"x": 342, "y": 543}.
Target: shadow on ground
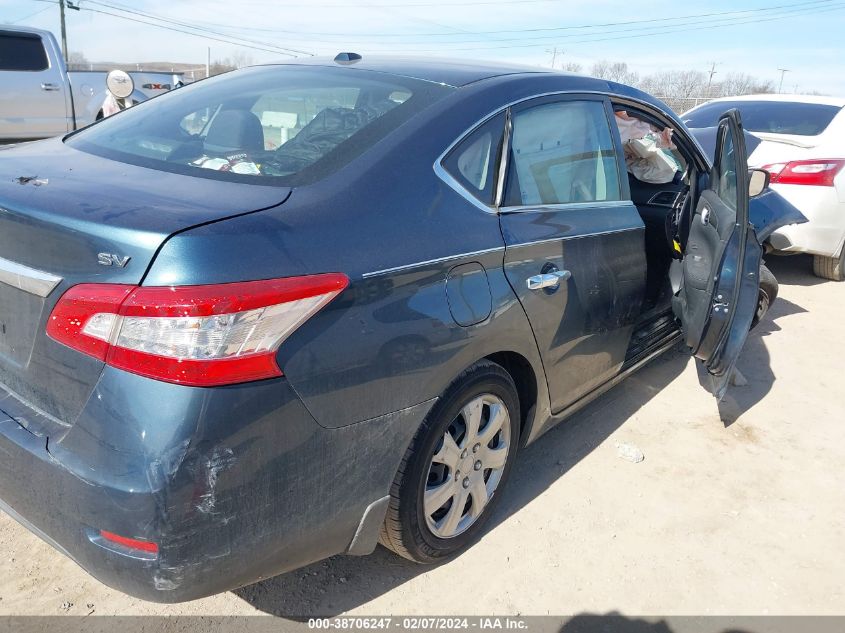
{"x": 617, "y": 623}
{"x": 794, "y": 270}
{"x": 342, "y": 583}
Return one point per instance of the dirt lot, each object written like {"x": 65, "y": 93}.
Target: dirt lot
{"x": 734, "y": 512}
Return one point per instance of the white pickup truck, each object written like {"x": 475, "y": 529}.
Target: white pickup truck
{"x": 40, "y": 98}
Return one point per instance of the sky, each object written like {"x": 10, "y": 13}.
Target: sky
{"x": 757, "y": 37}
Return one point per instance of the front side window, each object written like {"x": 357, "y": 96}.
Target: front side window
{"x": 562, "y": 153}
{"x": 22, "y": 51}
{"x": 269, "y": 125}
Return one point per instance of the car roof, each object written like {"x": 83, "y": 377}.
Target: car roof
{"x": 450, "y": 72}
{"x": 14, "y": 28}
{"x": 786, "y": 98}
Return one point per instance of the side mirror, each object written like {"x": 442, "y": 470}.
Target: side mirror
{"x": 120, "y": 84}
{"x": 758, "y": 180}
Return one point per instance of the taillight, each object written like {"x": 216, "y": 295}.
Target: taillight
{"x": 820, "y": 172}
{"x": 192, "y": 335}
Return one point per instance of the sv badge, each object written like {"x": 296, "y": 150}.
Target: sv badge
{"x": 110, "y": 259}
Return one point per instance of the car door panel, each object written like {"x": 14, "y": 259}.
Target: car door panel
{"x": 33, "y": 102}
{"x": 721, "y": 263}
{"x": 555, "y": 224}
{"x": 583, "y": 326}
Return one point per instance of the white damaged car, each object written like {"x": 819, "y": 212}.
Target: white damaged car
{"x": 802, "y": 146}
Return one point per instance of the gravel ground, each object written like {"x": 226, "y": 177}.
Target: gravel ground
{"x": 736, "y": 509}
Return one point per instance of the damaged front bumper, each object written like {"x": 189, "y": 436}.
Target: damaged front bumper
{"x": 233, "y": 484}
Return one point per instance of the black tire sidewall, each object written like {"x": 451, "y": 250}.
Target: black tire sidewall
{"x": 419, "y": 540}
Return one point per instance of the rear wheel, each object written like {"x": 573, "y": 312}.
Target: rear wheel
{"x": 455, "y": 468}
{"x": 832, "y": 268}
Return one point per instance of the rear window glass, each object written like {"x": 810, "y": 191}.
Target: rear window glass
{"x": 803, "y": 119}
{"x": 22, "y": 51}
{"x": 281, "y": 125}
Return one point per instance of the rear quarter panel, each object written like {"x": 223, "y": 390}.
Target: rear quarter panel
{"x": 389, "y": 341}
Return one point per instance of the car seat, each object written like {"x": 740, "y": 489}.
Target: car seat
{"x": 235, "y": 131}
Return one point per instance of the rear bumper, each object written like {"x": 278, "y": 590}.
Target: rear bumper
{"x": 255, "y": 489}
{"x": 823, "y": 233}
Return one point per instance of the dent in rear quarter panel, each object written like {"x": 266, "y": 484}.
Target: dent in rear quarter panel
{"x": 234, "y": 483}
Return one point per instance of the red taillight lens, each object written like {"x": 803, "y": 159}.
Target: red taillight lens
{"x": 819, "y": 172}
{"x": 193, "y": 335}
{"x": 144, "y": 546}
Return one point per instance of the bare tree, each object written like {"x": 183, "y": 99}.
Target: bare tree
{"x": 743, "y": 84}
{"x": 76, "y": 60}
{"x": 675, "y": 84}
{"x": 572, "y": 67}
{"x": 614, "y": 71}
{"x": 240, "y": 59}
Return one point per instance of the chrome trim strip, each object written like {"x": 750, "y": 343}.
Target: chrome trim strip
{"x": 428, "y": 262}
{"x": 439, "y": 260}
{"x": 458, "y": 188}
{"x": 563, "y": 238}
{"x": 35, "y": 282}
{"x": 563, "y": 206}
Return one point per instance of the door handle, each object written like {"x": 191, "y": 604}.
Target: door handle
{"x": 547, "y": 280}
{"x": 49, "y": 87}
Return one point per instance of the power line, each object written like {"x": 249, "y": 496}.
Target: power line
{"x": 647, "y": 30}
{"x": 224, "y": 38}
{"x": 166, "y": 20}
{"x": 668, "y": 31}
{"x": 31, "y": 15}
{"x": 529, "y": 30}
{"x": 170, "y": 28}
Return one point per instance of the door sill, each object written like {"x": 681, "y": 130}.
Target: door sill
{"x": 660, "y": 346}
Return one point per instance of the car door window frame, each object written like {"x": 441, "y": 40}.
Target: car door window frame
{"x": 533, "y": 102}
{"x": 35, "y": 37}
{"x": 497, "y": 143}
{"x": 690, "y": 146}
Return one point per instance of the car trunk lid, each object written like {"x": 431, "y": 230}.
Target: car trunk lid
{"x": 69, "y": 217}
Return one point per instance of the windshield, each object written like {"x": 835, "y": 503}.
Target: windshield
{"x": 775, "y": 117}
{"x": 281, "y": 125}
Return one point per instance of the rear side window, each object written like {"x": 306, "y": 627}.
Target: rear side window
{"x": 286, "y": 125}
{"x": 774, "y": 117}
{"x": 473, "y": 161}
{"x": 562, "y": 153}
{"x": 22, "y": 51}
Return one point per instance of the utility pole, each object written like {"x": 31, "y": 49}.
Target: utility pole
{"x": 783, "y": 71}
{"x": 710, "y": 80}
{"x": 64, "y": 30}
{"x": 208, "y": 63}
{"x": 554, "y": 55}
{"x": 70, "y": 5}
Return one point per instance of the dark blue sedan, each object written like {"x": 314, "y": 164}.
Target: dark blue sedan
{"x": 297, "y": 310}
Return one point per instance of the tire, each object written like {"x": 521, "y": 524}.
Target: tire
{"x": 768, "y": 293}
{"x": 409, "y": 529}
{"x": 832, "y": 268}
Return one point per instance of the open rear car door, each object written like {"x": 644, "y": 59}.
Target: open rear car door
{"x": 721, "y": 264}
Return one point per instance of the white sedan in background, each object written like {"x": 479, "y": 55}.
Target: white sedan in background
{"x": 803, "y": 148}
